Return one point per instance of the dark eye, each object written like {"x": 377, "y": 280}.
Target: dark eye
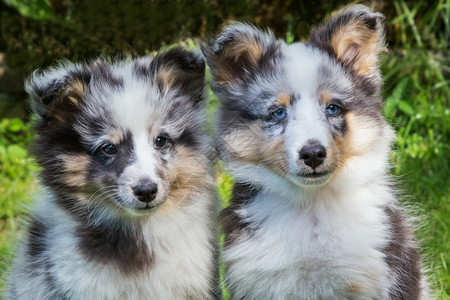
{"x": 332, "y": 110}
{"x": 109, "y": 149}
{"x": 279, "y": 113}
{"x": 160, "y": 142}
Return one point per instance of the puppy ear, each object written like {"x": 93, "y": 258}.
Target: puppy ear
{"x": 57, "y": 92}
{"x": 238, "y": 51}
{"x": 355, "y": 36}
{"x": 180, "y": 70}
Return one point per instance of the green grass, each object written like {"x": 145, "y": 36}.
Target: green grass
{"x": 417, "y": 93}
{"x": 417, "y": 97}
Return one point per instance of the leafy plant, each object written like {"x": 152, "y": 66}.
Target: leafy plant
{"x": 17, "y": 172}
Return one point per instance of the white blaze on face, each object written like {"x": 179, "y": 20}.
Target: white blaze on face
{"x": 307, "y": 125}
{"x": 145, "y": 165}
{"x": 134, "y": 107}
{"x": 137, "y": 117}
{"x": 307, "y": 121}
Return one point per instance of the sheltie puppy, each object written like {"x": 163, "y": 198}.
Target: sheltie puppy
{"x": 128, "y": 211}
{"x": 313, "y": 213}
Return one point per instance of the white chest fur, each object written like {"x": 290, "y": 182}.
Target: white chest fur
{"x": 329, "y": 248}
{"x": 182, "y": 266}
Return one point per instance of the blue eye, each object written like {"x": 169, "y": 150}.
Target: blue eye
{"x": 332, "y": 109}
{"x": 279, "y": 113}
{"x": 109, "y": 149}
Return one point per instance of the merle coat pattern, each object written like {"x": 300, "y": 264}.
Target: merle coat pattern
{"x": 313, "y": 213}
{"x": 127, "y": 210}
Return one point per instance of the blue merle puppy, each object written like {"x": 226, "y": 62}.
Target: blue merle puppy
{"x": 128, "y": 207}
{"x": 313, "y": 213}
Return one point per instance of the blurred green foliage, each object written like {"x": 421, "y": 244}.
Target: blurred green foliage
{"x": 35, "y": 9}
{"x": 16, "y": 167}
{"x": 36, "y": 32}
{"x": 17, "y": 183}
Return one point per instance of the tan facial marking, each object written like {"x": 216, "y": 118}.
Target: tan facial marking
{"x": 250, "y": 145}
{"x": 114, "y": 137}
{"x": 284, "y": 99}
{"x": 325, "y": 97}
{"x": 187, "y": 172}
{"x": 75, "y": 169}
{"x": 362, "y": 134}
{"x": 361, "y": 137}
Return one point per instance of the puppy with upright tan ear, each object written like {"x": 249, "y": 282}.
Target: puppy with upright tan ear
{"x": 313, "y": 213}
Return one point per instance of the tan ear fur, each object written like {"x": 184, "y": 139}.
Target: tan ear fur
{"x": 244, "y": 48}
{"x": 180, "y": 69}
{"x": 237, "y": 51}
{"x": 355, "y": 36}
{"x": 359, "y": 46}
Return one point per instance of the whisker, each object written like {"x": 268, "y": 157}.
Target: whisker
{"x": 102, "y": 189}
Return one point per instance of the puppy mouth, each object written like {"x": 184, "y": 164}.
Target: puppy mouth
{"x": 311, "y": 179}
{"x": 136, "y": 207}
{"x": 147, "y": 207}
{"x": 313, "y": 174}
{"x": 143, "y": 209}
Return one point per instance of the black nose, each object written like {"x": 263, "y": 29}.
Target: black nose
{"x": 313, "y": 155}
{"x": 146, "y": 192}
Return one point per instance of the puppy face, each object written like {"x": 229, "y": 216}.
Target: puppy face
{"x": 302, "y": 111}
{"x": 122, "y": 136}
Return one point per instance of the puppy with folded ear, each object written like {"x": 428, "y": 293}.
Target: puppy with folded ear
{"x": 128, "y": 210}
{"x": 313, "y": 213}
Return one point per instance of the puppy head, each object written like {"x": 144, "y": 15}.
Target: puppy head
{"x": 120, "y": 137}
{"x": 303, "y": 111}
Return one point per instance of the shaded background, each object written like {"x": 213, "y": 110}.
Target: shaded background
{"x": 35, "y": 33}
